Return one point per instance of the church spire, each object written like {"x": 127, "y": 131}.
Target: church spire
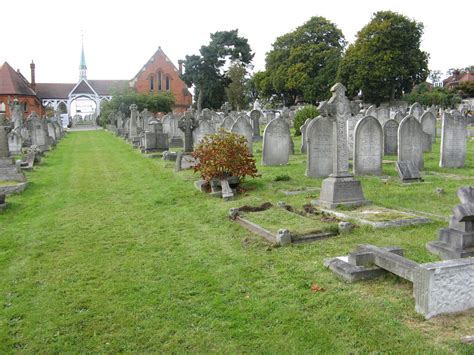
{"x": 82, "y": 65}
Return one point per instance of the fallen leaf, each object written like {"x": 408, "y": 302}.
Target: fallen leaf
{"x": 316, "y": 288}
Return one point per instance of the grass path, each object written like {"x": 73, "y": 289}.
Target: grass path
{"x": 109, "y": 251}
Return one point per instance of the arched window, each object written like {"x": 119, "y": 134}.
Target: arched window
{"x": 2, "y": 107}
{"x": 158, "y": 78}
{"x": 152, "y": 83}
{"x": 168, "y": 83}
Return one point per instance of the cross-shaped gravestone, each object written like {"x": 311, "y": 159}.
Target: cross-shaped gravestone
{"x": 339, "y": 108}
{"x": 188, "y": 124}
{"x": 340, "y": 188}
{"x": 133, "y": 121}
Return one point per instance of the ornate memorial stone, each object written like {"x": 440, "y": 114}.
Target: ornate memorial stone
{"x": 188, "y": 124}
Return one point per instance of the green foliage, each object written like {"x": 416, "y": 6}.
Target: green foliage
{"x": 284, "y": 177}
{"x": 386, "y": 60}
{"x": 302, "y": 63}
{"x": 308, "y": 111}
{"x": 224, "y": 154}
{"x": 204, "y": 71}
{"x": 466, "y": 89}
{"x": 236, "y": 90}
{"x": 436, "y": 96}
{"x": 123, "y": 98}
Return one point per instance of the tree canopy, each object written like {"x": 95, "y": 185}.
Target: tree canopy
{"x": 427, "y": 96}
{"x": 206, "y": 70}
{"x": 302, "y": 63}
{"x": 385, "y": 61}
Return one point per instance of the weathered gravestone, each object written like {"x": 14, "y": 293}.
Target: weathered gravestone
{"x": 153, "y": 139}
{"x": 368, "y": 147}
{"x": 340, "y": 188}
{"x": 428, "y": 124}
{"x": 408, "y": 171}
{"x": 303, "y": 148}
{"x": 457, "y": 241}
{"x": 255, "y": 120}
{"x": 453, "y": 140}
{"x": 351, "y": 123}
{"x": 319, "y": 142}
{"x": 133, "y": 126}
{"x": 205, "y": 128}
{"x": 243, "y": 128}
{"x": 398, "y": 117}
{"x": 227, "y": 123}
{"x": 438, "y": 288}
{"x": 371, "y": 111}
{"x": 9, "y": 171}
{"x": 410, "y": 141}
{"x": 416, "y": 110}
{"x": 276, "y": 143}
{"x": 188, "y": 124}
{"x": 37, "y": 132}
{"x": 170, "y": 126}
{"x": 15, "y": 138}
{"x": 383, "y": 114}
{"x": 390, "y": 134}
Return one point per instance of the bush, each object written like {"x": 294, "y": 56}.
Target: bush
{"x": 222, "y": 155}
{"x": 302, "y": 115}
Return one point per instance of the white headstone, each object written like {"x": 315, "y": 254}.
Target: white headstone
{"x": 416, "y": 110}
{"x": 453, "y": 140}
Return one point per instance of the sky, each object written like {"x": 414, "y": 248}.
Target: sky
{"x": 120, "y": 36}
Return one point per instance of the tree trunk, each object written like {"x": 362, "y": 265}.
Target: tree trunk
{"x": 200, "y": 98}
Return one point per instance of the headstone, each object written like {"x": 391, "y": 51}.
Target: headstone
{"x": 453, "y": 140}
{"x": 133, "y": 128}
{"x": 37, "y": 132}
{"x": 368, "y": 147}
{"x": 398, "y": 117}
{"x": 9, "y": 171}
{"x": 227, "y": 123}
{"x": 303, "y": 148}
{"x": 205, "y": 128}
{"x": 319, "y": 142}
{"x": 340, "y": 188}
{"x": 408, "y": 171}
{"x": 242, "y": 127}
{"x": 383, "y": 114}
{"x": 255, "y": 120}
{"x": 410, "y": 141}
{"x": 188, "y": 124}
{"x": 390, "y": 133}
{"x": 457, "y": 241}
{"x": 276, "y": 143}
{"x": 416, "y": 110}
{"x": 371, "y": 111}
{"x": 428, "y": 124}
{"x": 15, "y": 142}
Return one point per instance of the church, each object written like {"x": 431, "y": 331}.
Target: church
{"x": 157, "y": 75}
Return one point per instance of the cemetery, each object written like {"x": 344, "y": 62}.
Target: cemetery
{"x": 336, "y": 222}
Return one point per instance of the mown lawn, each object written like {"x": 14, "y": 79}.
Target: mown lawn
{"x": 109, "y": 251}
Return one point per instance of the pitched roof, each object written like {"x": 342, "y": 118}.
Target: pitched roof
{"x": 158, "y": 52}
{"x": 83, "y": 88}
{"x": 53, "y": 90}
{"x": 12, "y": 83}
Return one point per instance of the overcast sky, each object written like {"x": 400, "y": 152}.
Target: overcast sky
{"x": 119, "y": 37}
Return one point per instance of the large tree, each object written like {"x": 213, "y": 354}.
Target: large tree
{"x": 302, "y": 63}
{"x": 385, "y": 61}
{"x": 206, "y": 70}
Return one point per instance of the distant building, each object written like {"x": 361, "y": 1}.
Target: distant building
{"x": 457, "y": 77}
{"x": 159, "y": 75}
{"x": 14, "y": 85}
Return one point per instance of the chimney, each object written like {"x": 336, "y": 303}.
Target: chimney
{"x": 33, "y": 81}
{"x": 180, "y": 63}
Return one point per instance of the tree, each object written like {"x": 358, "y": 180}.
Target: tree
{"x": 205, "y": 71}
{"x": 303, "y": 63}
{"x": 438, "y": 96}
{"x": 385, "y": 61}
{"x": 236, "y": 90}
{"x": 465, "y": 89}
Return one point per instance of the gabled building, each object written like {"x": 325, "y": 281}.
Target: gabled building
{"x": 457, "y": 77}
{"x": 159, "y": 75}
{"x": 13, "y": 85}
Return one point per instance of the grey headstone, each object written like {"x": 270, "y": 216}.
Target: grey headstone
{"x": 276, "y": 143}
{"x": 390, "y": 132}
{"x": 368, "y": 147}
{"x": 428, "y": 123}
{"x": 416, "y": 110}
{"x": 319, "y": 141}
{"x": 407, "y": 171}
{"x": 243, "y": 128}
{"x": 453, "y": 140}
{"x": 303, "y": 148}
{"x": 410, "y": 141}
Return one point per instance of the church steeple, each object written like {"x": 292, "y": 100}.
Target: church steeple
{"x": 82, "y": 65}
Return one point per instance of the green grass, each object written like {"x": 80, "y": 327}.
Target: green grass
{"x": 109, "y": 251}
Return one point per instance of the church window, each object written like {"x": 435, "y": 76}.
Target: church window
{"x": 2, "y": 107}
{"x": 151, "y": 83}
{"x": 159, "y": 81}
{"x": 168, "y": 83}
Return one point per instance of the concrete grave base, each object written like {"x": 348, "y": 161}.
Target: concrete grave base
{"x": 185, "y": 161}
{"x": 439, "y": 287}
{"x": 341, "y": 191}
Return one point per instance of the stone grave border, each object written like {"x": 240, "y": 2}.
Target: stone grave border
{"x": 283, "y": 237}
{"x": 13, "y": 189}
{"x": 390, "y": 224}
{"x": 300, "y": 192}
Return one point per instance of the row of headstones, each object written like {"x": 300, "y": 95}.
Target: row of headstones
{"x": 369, "y": 141}
{"x": 42, "y": 133}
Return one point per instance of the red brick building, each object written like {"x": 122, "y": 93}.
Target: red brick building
{"x": 458, "y": 77}
{"x": 159, "y": 74}
{"x": 13, "y": 85}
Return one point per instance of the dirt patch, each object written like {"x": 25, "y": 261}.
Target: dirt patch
{"x": 263, "y": 207}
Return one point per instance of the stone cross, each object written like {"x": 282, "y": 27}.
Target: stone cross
{"x": 188, "y": 124}
{"x": 339, "y": 109}
{"x": 16, "y": 113}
